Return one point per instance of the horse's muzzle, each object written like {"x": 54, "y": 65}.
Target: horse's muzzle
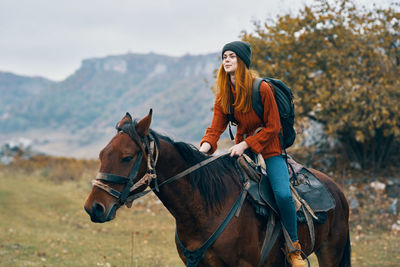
{"x": 97, "y": 213}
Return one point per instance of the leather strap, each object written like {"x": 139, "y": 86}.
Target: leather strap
{"x": 310, "y": 224}
{"x": 113, "y": 178}
{"x": 191, "y": 169}
{"x": 106, "y": 188}
{"x": 271, "y": 234}
{"x": 288, "y": 240}
{"x": 131, "y": 198}
{"x": 121, "y": 197}
{"x": 290, "y": 246}
{"x": 193, "y": 257}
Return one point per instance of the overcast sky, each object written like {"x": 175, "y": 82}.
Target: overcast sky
{"x": 50, "y": 38}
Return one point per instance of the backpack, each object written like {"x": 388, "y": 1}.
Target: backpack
{"x": 284, "y": 100}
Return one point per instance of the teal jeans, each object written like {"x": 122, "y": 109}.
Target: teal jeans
{"x": 279, "y": 178}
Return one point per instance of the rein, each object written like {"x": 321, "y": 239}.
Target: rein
{"x": 152, "y": 152}
{"x": 173, "y": 178}
{"x": 193, "y": 257}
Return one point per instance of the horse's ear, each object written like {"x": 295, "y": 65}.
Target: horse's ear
{"x": 128, "y": 116}
{"x": 143, "y": 126}
{"x": 126, "y": 119}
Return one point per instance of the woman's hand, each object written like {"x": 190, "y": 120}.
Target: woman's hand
{"x": 205, "y": 147}
{"x": 237, "y": 150}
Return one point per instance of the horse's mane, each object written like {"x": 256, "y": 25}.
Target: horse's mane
{"x": 210, "y": 179}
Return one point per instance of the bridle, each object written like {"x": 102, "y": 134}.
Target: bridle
{"x": 151, "y": 151}
{"x": 151, "y": 148}
{"x": 148, "y": 146}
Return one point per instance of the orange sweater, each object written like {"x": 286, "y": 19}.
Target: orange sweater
{"x": 266, "y": 141}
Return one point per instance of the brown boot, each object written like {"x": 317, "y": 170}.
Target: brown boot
{"x": 294, "y": 257}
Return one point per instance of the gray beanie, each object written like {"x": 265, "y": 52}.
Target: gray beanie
{"x": 241, "y": 49}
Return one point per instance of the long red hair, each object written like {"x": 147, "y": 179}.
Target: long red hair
{"x": 244, "y": 82}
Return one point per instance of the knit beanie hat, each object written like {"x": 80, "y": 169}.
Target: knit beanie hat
{"x": 241, "y": 49}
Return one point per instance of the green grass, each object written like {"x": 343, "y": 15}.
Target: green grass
{"x": 43, "y": 223}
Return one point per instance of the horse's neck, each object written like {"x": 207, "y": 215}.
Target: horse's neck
{"x": 184, "y": 203}
{"x": 178, "y": 197}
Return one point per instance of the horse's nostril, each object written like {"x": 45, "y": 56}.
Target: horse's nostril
{"x": 97, "y": 210}
{"x": 87, "y": 211}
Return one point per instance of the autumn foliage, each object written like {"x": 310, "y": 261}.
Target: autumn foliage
{"x": 55, "y": 169}
{"x": 343, "y": 64}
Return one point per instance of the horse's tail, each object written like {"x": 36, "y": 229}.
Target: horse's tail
{"x": 346, "y": 258}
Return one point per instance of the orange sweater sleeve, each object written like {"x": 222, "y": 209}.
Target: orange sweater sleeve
{"x": 272, "y": 123}
{"x": 217, "y": 127}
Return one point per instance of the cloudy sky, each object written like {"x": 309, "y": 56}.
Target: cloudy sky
{"x": 51, "y": 37}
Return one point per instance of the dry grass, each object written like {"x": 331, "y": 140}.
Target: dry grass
{"x": 42, "y": 223}
{"x": 55, "y": 169}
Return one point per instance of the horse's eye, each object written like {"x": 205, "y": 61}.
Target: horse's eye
{"x": 127, "y": 159}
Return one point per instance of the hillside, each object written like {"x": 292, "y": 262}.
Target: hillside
{"x": 80, "y": 112}
{"x": 16, "y": 90}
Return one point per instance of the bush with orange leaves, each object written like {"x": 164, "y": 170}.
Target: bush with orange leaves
{"x": 343, "y": 64}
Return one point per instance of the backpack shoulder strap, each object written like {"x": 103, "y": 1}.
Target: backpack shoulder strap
{"x": 256, "y": 98}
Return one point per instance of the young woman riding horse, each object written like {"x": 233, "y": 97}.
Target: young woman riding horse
{"x": 200, "y": 200}
{"x": 234, "y": 82}
{"x": 202, "y": 191}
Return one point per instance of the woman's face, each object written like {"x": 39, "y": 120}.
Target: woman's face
{"x": 229, "y": 60}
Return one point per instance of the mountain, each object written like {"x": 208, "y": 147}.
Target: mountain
{"x": 81, "y": 111}
{"x": 16, "y": 90}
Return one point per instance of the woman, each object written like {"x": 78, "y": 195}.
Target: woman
{"x": 234, "y": 82}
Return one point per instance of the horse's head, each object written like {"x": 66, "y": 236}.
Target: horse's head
{"x": 124, "y": 169}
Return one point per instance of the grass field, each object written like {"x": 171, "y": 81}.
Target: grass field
{"x": 42, "y": 223}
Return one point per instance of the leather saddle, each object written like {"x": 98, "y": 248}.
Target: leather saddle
{"x": 309, "y": 194}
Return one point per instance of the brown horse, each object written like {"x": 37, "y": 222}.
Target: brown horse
{"x": 200, "y": 201}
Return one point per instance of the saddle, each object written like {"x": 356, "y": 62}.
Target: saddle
{"x": 307, "y": 190}
{"x": 312, "y": 198}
